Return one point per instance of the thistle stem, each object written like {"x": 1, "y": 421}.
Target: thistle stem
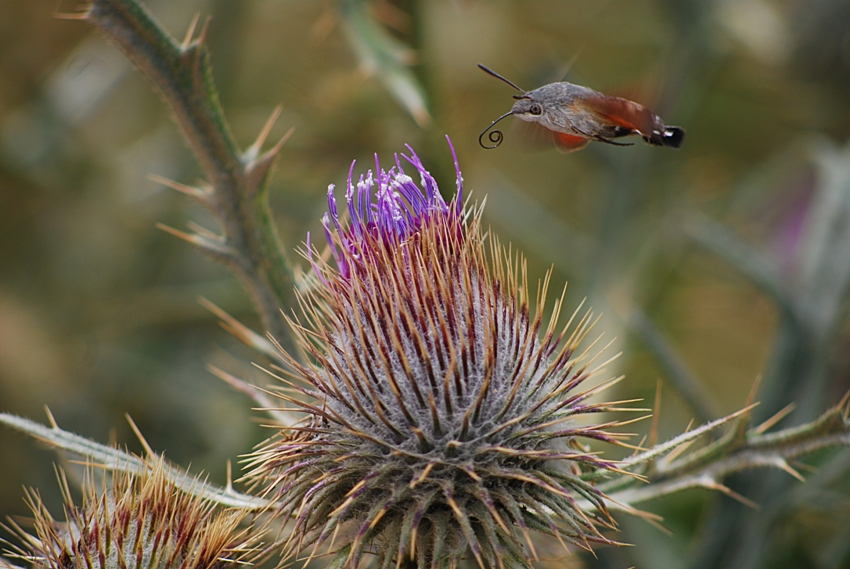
{"x": 238, "y": 181}
{"x": 742, "y": 449}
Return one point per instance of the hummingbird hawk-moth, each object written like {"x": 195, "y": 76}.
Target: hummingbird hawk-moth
{"x": 571, "y": 116}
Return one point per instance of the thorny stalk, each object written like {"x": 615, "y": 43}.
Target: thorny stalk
{"x": 669, "y": 470}
{"x": 236, "y": 182}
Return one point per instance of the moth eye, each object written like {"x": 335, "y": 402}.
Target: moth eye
{"x": 535, "y": 109}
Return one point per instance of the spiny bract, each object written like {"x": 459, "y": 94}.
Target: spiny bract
{"x": 441, "y": 414}
{"x": 138, "y": 521}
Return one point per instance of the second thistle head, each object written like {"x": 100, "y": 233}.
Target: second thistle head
{"x": 442, "y": 408}
{"x": 136, "y": 521}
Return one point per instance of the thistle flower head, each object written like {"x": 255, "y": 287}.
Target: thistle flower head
{"x": 136, "y": 522}
{"x": 441, "y": 411}
{"x": 399, "y": 210}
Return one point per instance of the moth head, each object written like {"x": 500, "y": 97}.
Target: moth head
{"x": 526, "y": 108}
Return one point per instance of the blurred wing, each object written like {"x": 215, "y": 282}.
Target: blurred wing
{"x": 566, "y": 143}
{"x": 531, "y": 136}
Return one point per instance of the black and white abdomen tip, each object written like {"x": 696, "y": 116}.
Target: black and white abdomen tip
{"x": 673, "y": 136}
{"x": 669, "y": 136}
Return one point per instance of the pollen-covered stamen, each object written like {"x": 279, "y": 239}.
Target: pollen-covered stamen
{"x": 442, "y": 404}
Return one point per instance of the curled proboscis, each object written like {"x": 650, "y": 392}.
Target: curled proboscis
{"x": 494, "y": 136}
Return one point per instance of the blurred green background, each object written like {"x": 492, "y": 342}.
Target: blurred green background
{"x": 715, "y": 264}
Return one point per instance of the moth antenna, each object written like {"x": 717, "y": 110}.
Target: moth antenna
{"x": 495, "y": 136}
{"x": 497, "y": 76}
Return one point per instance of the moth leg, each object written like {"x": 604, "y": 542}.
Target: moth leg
{"x": 602, "y": 138}
{"x": 606, "y": 141}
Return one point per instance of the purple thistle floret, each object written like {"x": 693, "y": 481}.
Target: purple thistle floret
{"x": 389, "y": 206}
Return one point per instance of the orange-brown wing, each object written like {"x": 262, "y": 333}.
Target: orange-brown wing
{"x": 566, "y": 143}
{"x": 622, "y": 112}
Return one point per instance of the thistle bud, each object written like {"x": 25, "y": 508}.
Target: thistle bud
{"x": 135, "y": 521}
{"x": 441, "y": 410}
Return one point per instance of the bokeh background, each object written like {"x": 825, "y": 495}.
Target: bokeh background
{"x": 713, "y": 265}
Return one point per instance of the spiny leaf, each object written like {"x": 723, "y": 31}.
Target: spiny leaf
{"x": 381, "y": 54}
{"x": 111, "y": 458}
